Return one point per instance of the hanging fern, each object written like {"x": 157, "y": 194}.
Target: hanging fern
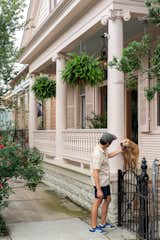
{"x": 44, "y": 87}
{"x": 82, "y": 70}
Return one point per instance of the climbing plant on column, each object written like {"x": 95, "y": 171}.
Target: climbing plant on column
{"x": 136, "y": 52}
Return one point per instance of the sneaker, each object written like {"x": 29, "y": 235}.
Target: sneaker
{"x": 97, "y": 229}
{"x": 106, "y": 225}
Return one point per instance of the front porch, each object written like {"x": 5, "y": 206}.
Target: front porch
{"x": 77, "y": 144}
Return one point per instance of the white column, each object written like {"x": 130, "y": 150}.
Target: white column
{"x": 32, "y": 112}
{"x": 60, "y": 106}
{"x": 116, "y": 94}
{"x": 116, "y": 108}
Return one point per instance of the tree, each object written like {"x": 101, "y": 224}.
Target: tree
{"x": 11, "y": 14}
{"x": 134, "y": 54}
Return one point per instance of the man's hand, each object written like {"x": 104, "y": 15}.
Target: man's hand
{"x": 99, "y": 193}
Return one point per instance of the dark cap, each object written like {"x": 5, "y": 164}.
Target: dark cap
{"x": 108, "y": 137}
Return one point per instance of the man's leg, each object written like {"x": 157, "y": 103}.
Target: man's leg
{"x": 94, "y": 212}
{"x": 105, "y": 209}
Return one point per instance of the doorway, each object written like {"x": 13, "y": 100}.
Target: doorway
{"x": 132, "y": 115}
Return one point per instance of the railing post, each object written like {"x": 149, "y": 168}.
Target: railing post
{"x": 143, "y": 193}
{"x": 120, "y": 196}
{"x": 155, "y": 228}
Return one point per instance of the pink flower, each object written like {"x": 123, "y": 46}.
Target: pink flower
{"x": 1, "y": 146}
{"x": 1, "y": 185}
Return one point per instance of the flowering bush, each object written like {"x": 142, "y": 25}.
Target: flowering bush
{"x": 17, "y": 162}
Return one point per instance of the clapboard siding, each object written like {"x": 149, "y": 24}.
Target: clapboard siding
{"x": 150, "y": 146}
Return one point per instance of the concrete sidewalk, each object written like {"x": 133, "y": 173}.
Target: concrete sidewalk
{"x": 44, "y": 215}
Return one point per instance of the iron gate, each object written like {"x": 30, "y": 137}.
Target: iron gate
{"x": 138, "y": 205}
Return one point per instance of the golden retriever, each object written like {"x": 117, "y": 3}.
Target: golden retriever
{"x": 130, "y": 153}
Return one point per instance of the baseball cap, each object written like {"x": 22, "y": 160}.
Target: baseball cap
{"x": 108, "y": 137}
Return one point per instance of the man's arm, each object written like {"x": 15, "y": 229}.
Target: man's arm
{"x": 113, "y": 154}
{"x": 97, "y": 183}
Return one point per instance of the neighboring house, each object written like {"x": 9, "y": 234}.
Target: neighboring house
{"x": 54, "y": 29}
{"x": 6, "y": 118}
{"x": 19, "y": 99}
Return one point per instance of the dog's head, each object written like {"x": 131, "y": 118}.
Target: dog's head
{"x": 126, "y": 144}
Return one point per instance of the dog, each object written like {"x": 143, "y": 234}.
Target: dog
{"x": 130, "y": 154}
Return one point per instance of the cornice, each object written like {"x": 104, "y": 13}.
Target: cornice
{"x": 55, "y": 22}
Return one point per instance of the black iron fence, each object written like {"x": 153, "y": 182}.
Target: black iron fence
{"x": 139, "y": 202}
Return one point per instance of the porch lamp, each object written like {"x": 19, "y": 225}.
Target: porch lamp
{"x": 104, "y": 55}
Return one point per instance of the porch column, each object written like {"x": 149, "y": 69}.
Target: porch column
{"x": 32, "y": 112}
{"x": 60, "y": 106}
{"x": 116, "y": 94}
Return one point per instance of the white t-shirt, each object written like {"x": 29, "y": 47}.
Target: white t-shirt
{"x": 99, "y": 161}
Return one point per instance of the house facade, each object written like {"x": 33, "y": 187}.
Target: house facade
{"x": 54, "y": 29}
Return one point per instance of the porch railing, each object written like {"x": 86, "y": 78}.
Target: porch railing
{"x": 45, "y": 141}
{"x": 79, "y": 144}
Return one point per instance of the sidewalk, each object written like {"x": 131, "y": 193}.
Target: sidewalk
{"x": 44, "y": 215}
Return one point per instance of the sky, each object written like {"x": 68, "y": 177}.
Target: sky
{"x": 19, "y": 34}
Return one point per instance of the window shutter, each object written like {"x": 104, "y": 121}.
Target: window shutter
{"x": 70, "y": 107}
{"x": 143, "y": 103}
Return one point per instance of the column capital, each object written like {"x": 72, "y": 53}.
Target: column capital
{"x": 114, "y": 14}
{"x": 57, "y": 56}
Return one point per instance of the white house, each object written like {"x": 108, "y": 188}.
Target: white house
{"x": 56, "y": 28}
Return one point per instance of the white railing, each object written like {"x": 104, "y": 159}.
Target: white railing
{"x": 45, "y": 141}
{"x": 79, "y": 143}
{"x": 77, "y": 146}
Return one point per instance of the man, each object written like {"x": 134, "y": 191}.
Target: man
{"x": 101, "y": 181}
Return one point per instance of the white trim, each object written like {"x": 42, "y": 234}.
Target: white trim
{"x": 21, "y": 87}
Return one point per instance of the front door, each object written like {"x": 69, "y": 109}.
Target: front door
{"x": 132, "y": 115}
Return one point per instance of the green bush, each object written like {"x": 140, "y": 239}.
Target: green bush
{"x": 18, "y": 162}
{"x": 3, "y": 227}
{"x": 97, "y": 121}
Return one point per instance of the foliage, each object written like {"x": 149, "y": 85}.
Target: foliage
{"x": 44, "y": 87}
{"x": 150, "y": 92}
{"x": 82, "y": 70}
{"x": 98, "y": 120}
{"x": 18, "y": 162}
{"x": 153, "y": 11}
{"x": 11, "y": 14}
{"x": 3, "y": 227}
{"x": 155, "y": 70}
{"x": 131, "y": 60}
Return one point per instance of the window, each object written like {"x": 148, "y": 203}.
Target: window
{"x": 83, "y": 107}
{"x": 53, "y": 4}
{"x": 103, "y": 100}
{"x": 158, "y": 109}
{"x": 57, "y": 1}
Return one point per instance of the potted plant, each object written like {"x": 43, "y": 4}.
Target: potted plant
{"x": 44, "y": 88}
{"x": 82, "y": 70}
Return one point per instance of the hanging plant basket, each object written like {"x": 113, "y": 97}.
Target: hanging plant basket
{"x": 82, "y": 70}
{"x": 44, "y": 87}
